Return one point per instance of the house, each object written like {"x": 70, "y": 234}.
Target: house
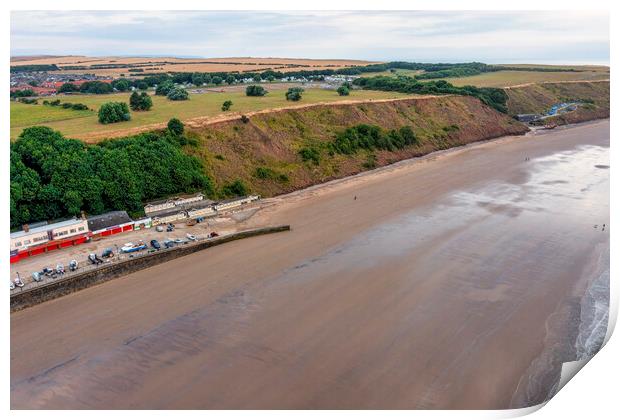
{"x": 153, "y": 207}
{"x": 203, "y": 208}
{"x": 44, "y": 237}
{"x": 234, "y": 202}
{"x": 166, "y": 217}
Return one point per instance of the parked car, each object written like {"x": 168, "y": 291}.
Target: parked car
{"x": 168, "y": 243}
{"x": 107, "y": 253}
{"x": 18, "y": 282}
{"x": 178, "y": 241}
{"x": 36, "y": 276}
{"x": 130, "y": 247}
{"x": 155, "y": 244}
{"x": 200, "y": 219}
{"x": 12, "y": 285}
{"x": 47, "y": 271}
{"x": 73, "y": 265}
{"x": 93, "y": 258}
{"x": 190, "y": 237}
{"x": 159, "y": 228}
{"x": 170, "y": 228}
{"x": 60, "y": 269}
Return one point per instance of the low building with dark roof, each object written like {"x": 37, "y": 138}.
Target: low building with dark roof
{"x": 110, "y": 223}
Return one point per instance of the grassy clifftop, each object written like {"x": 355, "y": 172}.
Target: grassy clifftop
{"x": 267, "y": 152}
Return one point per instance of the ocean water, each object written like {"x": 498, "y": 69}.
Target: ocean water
{"x": 594, "y": 310}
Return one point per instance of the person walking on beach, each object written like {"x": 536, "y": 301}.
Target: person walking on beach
{"x": 355, "y": 197}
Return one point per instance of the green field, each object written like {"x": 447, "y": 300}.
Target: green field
{"x": 84, "y": 124}
{"x": 512, "y": 78}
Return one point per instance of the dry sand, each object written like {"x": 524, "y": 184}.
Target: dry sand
{"x": 440, "y": 286}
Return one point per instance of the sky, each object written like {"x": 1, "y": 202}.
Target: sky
{"x": 554, "y": 37}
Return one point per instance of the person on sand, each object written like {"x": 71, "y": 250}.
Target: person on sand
{"x": 355, "y": 197}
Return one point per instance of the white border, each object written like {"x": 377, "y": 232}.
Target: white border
{"x": 592, "y": 394}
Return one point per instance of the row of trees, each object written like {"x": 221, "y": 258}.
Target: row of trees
{"x": 494, "y": 97}
{"x": 54, "y": 177}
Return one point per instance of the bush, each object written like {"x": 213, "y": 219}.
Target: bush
{"x": 140, "y": 101}
{"x": 79, "y": 107}
{"x": 142, "y": 85}
{"x": 343, "y": 91}
{"x": 178, "y": 94}
{"x": 113, "y": 112}
{"x": 28, "y": 101}
{"x": 310, "y": 154}
{"x": 226, "y": 105}
{"x": 22, "y": 93}
{"x": 372, "y": 137}
{"x": 235, "y": 189}
{"x": 293, "y": 94}
{"x": 245, "y": 119}
{"x": 254, "y": 90}
{"x": 264, "y": 173}
{"x": 176, "y": 127}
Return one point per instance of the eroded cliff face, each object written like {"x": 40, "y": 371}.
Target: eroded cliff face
{"x": 264, "y": 152}
{"x": 539, "y": 97}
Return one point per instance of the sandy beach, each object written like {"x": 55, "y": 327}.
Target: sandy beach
{"x": 456, "y": 280}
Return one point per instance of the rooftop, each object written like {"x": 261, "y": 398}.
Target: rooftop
{"x": 106, "y": 220}
{"x": 45, "y": 227}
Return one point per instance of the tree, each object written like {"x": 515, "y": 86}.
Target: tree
{"x": 121, "y": 85}
{"x": 230, "y": 79}
{"x": 112, "y": 112}
{"x": 68, "y": 87}
{"x": 140, "y": 101}
{"x": 178, "y": 94}
{"x": 226, "y": 105}
{"x": 176, "y": 127}
{"x": 254, "y": 90}
{"x": 197, "y": 79}
{"x": 293, "y": 94}
{"x": 53, "y": 177}
{"x": 164, "y": 88}
{"x": 217, "y": 80}
{"x": 343, "y": 91}
{"x": 142, "y": 85}
{"x": 95, "y": 87}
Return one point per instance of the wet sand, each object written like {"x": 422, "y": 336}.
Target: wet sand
{"x": 440, "y": 286}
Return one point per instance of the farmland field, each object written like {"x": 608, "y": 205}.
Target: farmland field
{"x": 84, "y": 124}
{"x": 512, "y": 78}
{"x": 121, "y": 65}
